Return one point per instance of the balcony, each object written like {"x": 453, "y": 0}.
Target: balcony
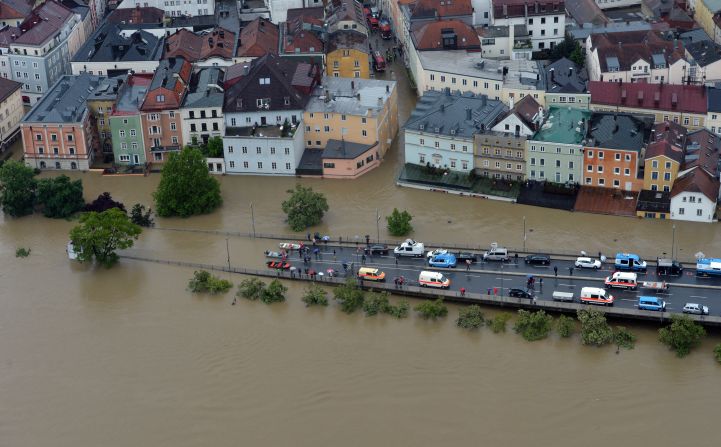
{"x": 522, "y": 44}
{"x": 282, "y": 131}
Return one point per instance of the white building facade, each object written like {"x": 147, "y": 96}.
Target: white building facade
{"x": 175, "y": 8}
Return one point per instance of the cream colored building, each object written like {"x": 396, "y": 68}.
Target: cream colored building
{"x": 502, "y": 80}
{"x": 363, "y": 111}
{"x": 11, "y": 111}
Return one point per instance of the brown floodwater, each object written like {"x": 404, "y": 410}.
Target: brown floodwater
{"x": 95, "y": 357}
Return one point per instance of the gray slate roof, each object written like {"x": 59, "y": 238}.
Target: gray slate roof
{"x": 351, "y": 96}
{"x": 714, "y": 99}
{"x": 460, "y": 115}
{"x": 565, "y": 76}
{"x": 704, "y": 52}
{"x": 344, "y": 149}
{"x": 66, "y": 102}
{"x": 205, "y": 89}
{"x": 618, "y": 131}
{"x": 107, "y": 44}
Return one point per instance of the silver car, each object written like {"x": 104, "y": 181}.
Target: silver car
{"x": 696, "y": 309}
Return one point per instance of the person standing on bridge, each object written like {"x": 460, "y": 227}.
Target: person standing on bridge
{"x": 463, "y": 291}
{"x": 468, "y": 264}
{"x": 555, "y": 271}
{"x": 570, "y": 271}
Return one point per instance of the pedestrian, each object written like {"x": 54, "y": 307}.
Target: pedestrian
{"x": 395, "y": 281}
{"x": 540, "y": 283}
{"x": 515, "y": 258}
{"x": 495, "y": 291}
{"x": 534, "y": 300}
{"x": 463, "y": 291}
{"x": 308, "y": 236}
{"x": 488, "y": 292}
{"x": 555, "y": 271}
{"x": 468, "y": 264}
{"x": 233, "y": 303}
{"x": 363, "y": 259}
{"x": 396, "y": 260}
{"x": 570, "y": 271}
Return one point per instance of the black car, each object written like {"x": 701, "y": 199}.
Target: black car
{"x": 538, "y": 260}
{"x": 463, "y": 256}
{"x": 377, "y": 249}
{"x": 519, "y": 293}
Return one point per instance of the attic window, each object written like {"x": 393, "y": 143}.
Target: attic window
{"x": 160, "y": 98}
{"x": 264, "y": 81}
{"x": 286, "y": 100}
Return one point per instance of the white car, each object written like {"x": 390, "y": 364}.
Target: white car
{"x": 588, "y": 263}
{"x": 438, "y": 251}
{"x": 696, "y": 309}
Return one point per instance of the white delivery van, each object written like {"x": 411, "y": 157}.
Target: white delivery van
{"x": 563, "y": 296}
{"x": 622, "y": 280}
{"x": 409, "y": 247}
{"x": 496, "y": 253}
{"x": 433, "y": 279}
{"x": 594, "y": 295}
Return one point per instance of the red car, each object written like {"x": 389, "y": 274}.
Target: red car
{"x": 278, "y": 265}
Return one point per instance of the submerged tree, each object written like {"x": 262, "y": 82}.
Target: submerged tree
{"x": 17, "y": 188}
{"x": 99, "y": 235}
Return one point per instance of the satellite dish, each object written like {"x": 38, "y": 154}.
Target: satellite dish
{"x": 699, "y": 255}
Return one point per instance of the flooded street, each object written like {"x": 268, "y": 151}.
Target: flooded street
{"x": 94, "y": 357}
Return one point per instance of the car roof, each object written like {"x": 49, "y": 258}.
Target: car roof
{"x": 368, "y": 269}
{"x": 692, "y": 304}
{"x": 584, "y": 258}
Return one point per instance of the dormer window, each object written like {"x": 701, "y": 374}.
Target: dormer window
{"x": 160, "y": 98}
{"x": 286, "y": 100}
{"x": 264, "y": 81}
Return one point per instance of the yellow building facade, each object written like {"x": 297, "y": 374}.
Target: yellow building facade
{"x": 348, "y": 55}
{"x": 363, "y": 111}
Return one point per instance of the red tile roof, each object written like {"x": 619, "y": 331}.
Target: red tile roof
{"x": 258, "y": 38}
{"x": 137, "y": 15}
{"x": 428, "y": 35}
{"x": 217, "y": 42}
{"x": 7, "y": 88}
{"x": 15, "y": 9}
{"x": 667, "y": 139}
{"x": 703, "y": 149}
{"x": 675, "y": 98}
{"x": 441, "y": 8}
{"x": 526, "y": 109}
{"x": 43, "y": 23}
{"x": 630, "y": 46}
{"x": 697, "y": 180}
{"x": 296, "y": 36}
{"x": 519, "y": 8}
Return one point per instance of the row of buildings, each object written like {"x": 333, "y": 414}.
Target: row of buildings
{"x": 673, "y": 171}
{"x": 269, "y": 114}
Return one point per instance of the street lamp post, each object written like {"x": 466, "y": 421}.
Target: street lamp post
{"x": 502, "y": 280}
{"x": 673, "y": 241}
{"x": 378, "y": 226}
{"x": 524, "y": 234}
{"x": 252, "y": 217}
{"x": 227, "y": 250}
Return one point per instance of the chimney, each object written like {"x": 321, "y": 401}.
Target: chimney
{"x": 388, "y": 88}
{"x": 469, "y": 114}
{"x": 352, "y": 85}
{"x": 570, "y": 71}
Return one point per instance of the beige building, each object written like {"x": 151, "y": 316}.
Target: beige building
{"x": 11, "y": 111}
{"x": 363, "y": 111}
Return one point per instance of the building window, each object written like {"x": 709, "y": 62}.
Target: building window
{"x": 121, "y": 133}
{"x": 160, "y": 98}
{"x": 681, "y": 211}
{"x": 245, "y": 149}
{"x": 258, "y": 150}
{"x": 173, "y": 126}
{"x": 230, "y": 149}
{"x": 287, "y": 166}
{"x": 260, "y": 165}
{"x": 245, "y": 164}
{"x": 364, "y": 132}
{"x": 422, "y": 142}
{"x": 124, "y": 158}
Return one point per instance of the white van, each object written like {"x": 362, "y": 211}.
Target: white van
{"x": 433, "y": 279}
{"x": 496, "y": 253}
{"x": 594, "y": 295}
{"x": 409, "y": 247}
{"x": 622, "y": 280}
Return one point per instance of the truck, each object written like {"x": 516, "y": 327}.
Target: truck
{"x": 409, "y": 247}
